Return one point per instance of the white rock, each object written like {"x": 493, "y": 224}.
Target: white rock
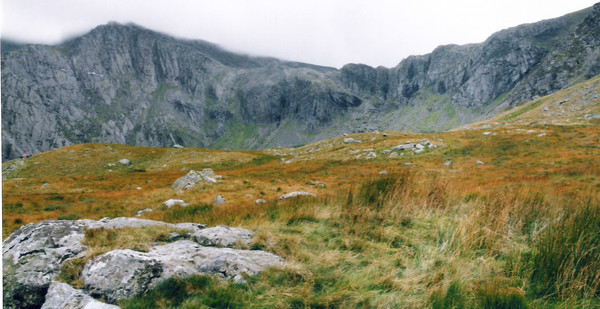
{"x": 172, "y": 202}
{"x": 141, "y": 212}
{"x": 350, "y": 140}
{"x": 383, "y": 173}
{"x": 480, "y": 162}
{"x": 371, "y": 155}
{"x": 393, "y": 155}
{"x": 486, "y": 133}
{"x": 295, "y": 194}
{"x": 218, "y": 200}
{"x": 63, "y": 296}
{"x": 124, "y": 162}
{"x": 222, "y": 236}
{"x": 447, "y": 163}
{"x": 260, "y": 201}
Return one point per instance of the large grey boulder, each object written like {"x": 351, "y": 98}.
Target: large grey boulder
{"x": 63, "y": 296}
{"x": 185, "y": 257}
{"x": 222, "y": 236}
{"x": 122, "y": 274}
{"x": 32, "y": 257}
{"x": 193, "y": 177}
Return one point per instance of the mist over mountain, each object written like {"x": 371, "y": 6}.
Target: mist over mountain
{"x": 128, "y": 85}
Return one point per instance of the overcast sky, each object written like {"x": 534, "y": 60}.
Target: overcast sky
{"x": 324, "y": 32}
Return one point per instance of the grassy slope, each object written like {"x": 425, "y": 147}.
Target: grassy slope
{"x": 428, "y": 235}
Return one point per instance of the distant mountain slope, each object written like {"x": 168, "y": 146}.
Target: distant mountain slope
{"x": 129, "y": 85}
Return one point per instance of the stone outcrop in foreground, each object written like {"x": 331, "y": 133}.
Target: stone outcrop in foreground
{"x": 33, "y": 256}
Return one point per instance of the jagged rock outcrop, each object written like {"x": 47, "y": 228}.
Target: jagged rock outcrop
{"x": 128, "y": 85}
{"x": 33, "y": 257}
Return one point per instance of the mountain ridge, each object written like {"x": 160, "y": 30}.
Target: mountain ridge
{"x": 129, "y": 85}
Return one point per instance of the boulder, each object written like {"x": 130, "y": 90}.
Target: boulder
{"x": 393, "y": 155}
{"x": 260, "y": 201}
{"x": 407, "y": 164}
{"x": 383, "y": 173}
{"x": 222, "y": 236}
{"x": 120, "y": 274}
{"x": 193, "y": 177}
{"x": 124, "y": 162}
{"x": 177, "y": 146}
{"x": 371, "y": 155}
{"x": 63, "y": 296}
{"x": 219, "y": 200}
{"x": 33, "y": 256}
{"x": 350, "y": 140}
{"x": 295, "y": 194}
{"x": 480, "y": 162}
{"x": 143, "y": 211}
{"x": 184, "y": 257}
{"x": 447, "y": 163}
{"x": 403, "y": 147}
{"x": 172, "y": 202}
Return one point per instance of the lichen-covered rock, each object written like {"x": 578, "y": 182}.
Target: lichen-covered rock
{"x": 193, "y": 177}
{"x": 222, "y": 236}
{"x": 63, "y": 296}
{"x": 185, "y": 257}
{"x": 32, "y": 257}
{"x": 120, "y": 274}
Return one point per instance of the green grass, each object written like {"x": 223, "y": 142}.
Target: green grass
{"x": 524, "y": 109}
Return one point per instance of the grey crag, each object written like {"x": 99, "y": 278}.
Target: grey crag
{"x": 129, "y": 85}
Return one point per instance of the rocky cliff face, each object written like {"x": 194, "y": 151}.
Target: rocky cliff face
{"x": 128, "y": 85}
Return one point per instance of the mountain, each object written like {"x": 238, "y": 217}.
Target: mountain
{"x": 128, "y": 85}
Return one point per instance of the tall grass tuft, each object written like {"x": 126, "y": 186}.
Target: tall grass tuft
{"x": 566, "y": 259}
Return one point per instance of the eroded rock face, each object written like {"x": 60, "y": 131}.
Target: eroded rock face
{"x": 55, "y": 94}
{"x": 63, "y": 296}
{"x": 33, "y": 256}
